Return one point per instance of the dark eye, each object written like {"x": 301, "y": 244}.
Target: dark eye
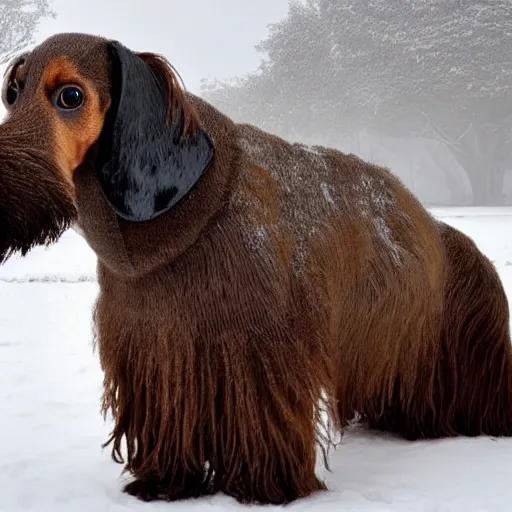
{"x": 11, "y": 94}
{"x": 70, "y": 98}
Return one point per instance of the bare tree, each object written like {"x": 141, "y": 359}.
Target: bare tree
{"x": 18, "y": 24}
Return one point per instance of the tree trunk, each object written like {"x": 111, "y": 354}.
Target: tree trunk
{"x": 487, "y": 190}
{"x": 483, "y": 153}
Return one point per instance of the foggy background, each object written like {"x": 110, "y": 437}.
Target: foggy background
{"x": 420, "y": 86}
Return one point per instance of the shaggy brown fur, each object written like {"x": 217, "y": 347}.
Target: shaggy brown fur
{"x": 288, "y": 280}
{"x": 47, "y": 209}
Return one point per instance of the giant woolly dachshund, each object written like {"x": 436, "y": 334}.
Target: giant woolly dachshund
{"x": 246, "y": 283}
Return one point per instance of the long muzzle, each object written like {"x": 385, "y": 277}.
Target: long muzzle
{"x": 36, "y": 203}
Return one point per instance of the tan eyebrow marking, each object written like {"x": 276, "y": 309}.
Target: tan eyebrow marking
{"x": 73, "y": 137}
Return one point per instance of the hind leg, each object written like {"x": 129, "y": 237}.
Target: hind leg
{"x": 465, "y": 383}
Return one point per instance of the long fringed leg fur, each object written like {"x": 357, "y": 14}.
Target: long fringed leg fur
{"x": 166, "y": 466}
{"x": 268, "y": 425}
{"x": 245, "y": 407}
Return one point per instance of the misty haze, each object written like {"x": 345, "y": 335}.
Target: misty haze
{"x": 421, "y": 87}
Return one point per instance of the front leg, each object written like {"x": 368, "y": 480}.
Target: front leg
{"x": 276, "y": 472}
{"x": 267, "y": 436}
{"x": 167, "y": 462}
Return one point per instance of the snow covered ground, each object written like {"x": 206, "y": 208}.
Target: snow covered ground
{"x": 51, "y": 431}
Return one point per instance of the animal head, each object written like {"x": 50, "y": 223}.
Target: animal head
{"x": 80, "y": 100}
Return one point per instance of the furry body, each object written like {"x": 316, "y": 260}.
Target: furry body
{"x": 317, "y": 272}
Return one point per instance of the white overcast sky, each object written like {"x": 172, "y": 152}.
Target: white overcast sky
{"x": 202, "y": 38}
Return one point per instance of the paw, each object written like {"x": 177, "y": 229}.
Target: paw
{"x": 152, "y": 490}
{"x": 142, "y": 490}
{"x": 267, "y": 493}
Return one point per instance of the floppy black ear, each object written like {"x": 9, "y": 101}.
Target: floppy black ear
{"x": 144, "y": 165}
